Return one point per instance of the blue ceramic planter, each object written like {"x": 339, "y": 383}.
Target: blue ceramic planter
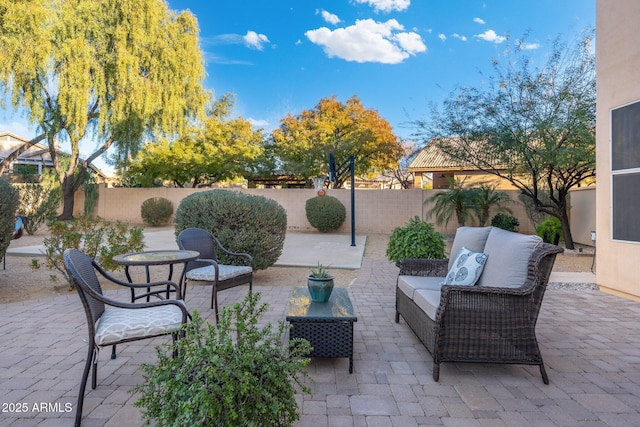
{"x": 320, "y": 289}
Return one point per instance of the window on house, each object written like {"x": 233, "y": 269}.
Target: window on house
{"x": 625, "y": 172}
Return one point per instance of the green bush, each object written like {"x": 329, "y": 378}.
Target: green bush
{"x": 506, "y": 222}
{"x": 235, "y": 374}
{"x": 98, "y": 239}
{"x": 8, "y": 207}
{"x": 325, "y": 213}
{"x": 242, "y": 222}
{"x": 550, "y": 230}
{"x": 156, "y": 211}
{"x": 417, "y": 239}
{"x": 39, "y": 204}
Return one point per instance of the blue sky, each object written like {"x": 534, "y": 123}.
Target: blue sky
{"x": 398, "y": 56}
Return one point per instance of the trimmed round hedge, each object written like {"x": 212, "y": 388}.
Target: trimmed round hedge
{"x": 243, "y": 223}
{"x": 325, "y": 213}
{"x": 156, "y": 211}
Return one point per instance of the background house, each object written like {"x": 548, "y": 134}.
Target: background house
{"x": 432, "y": 166}
{"x": 32, "y": 163}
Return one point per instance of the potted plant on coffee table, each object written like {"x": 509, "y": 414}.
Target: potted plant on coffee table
{"x": 320, "y": 284}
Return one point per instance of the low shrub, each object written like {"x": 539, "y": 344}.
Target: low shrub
{"x": 506, "y": 222}
{"x": 417, "y": 239}
{"x": 8, "y": 207}
{"x": 156, "y": 211}
{"x": 98, "y": 239}
{"x": 243, "y": 223}
{"x": 325, "y": 213}
{"x": 235, "y": 374}
{"x": 39, "y": 204}
{"x": 550, "y": 230}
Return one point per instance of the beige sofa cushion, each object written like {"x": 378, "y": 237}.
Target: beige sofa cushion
{"x": 508, "y": 259}
{"x": 408, "y": 284}
{"x": 428, "y": 300}
{"x": 472, "y": 238}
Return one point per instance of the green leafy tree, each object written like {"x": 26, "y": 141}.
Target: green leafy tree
{"x": 100, "y": 73}
{"x": 222, "y": 148}
{"x": 458, "y": 201}
{"x": 533, "y": 126}
{"x": 303, "y": 142}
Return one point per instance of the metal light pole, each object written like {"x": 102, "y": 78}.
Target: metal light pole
{"x": 337, "y": 173}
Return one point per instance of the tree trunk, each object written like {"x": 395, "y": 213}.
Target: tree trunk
{"x": 566, "y": 230}
{"x": 68, "y": 199}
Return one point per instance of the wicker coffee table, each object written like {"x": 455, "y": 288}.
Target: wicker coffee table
{"x": 328, "y": 326}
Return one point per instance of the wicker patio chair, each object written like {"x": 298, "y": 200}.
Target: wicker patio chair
{"x": 113, "y": 322}
{"x": 207, "y": 268}
{"x": 480, "y": 323}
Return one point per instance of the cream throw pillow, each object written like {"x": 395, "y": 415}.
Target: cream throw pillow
{"x": 466, "y": 269}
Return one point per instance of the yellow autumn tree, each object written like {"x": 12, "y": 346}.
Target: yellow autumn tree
{"x": 224, "y": 147}
{"x": 303, "y": 142}
{"x": 99, "y": 73}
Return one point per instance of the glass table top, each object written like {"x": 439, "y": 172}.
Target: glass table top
{"x": 156, "y": 257}
{"x": 338, "y": 307}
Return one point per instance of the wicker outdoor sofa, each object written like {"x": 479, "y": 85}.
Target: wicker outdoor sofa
{"x": 491, "y": 321}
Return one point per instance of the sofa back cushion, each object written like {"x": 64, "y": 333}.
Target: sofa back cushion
{"x": 472, "y": 238}
{"x": 508, "y": 258}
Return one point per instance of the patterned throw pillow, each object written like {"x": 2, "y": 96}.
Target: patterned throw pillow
{"x": 466, "y": 269}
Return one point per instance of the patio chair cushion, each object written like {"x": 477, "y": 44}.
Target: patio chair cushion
{"x": 117, "y": 324}
{"x": 428, "y": 300}
{"x": 472, "y": 238}
{"x": 467, "y": 268}
{"x": 409, "y": 284}
{"x": 208, "y": 273}
{"x": 509, "y": 256}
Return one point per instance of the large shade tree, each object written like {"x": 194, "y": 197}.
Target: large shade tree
{"x": 223, "y": 147}
{"x": 532, "y": 124}
{"x": 99, "y": 73}
{"x": 303, "y": 142}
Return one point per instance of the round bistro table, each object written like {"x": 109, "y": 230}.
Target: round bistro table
{"x": 147, "y": 259}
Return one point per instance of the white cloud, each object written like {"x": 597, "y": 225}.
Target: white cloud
{"x": 369, "y": 41}
{"x": 387, "y": 5}
{"x": 479, "y": 21}
{"x": 254, "y": 40}
{"x": 529, "y": 46}
{"x": 330, "y": 17}
{"x": 491, "y": 36}
{"x": 442, "y": 37}
{"x": 258, "y": 123}
{"x": 458, "y": 36}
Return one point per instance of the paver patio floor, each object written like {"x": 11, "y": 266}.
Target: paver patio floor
{"x": 590, "y": 342}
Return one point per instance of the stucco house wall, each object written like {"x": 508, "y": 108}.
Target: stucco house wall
{"x": 618, "y": 84}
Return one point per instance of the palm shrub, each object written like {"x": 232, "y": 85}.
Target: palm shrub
{"x": 100, "y": 240}
{"x": 486, "y": 199}
{"x": 458, "y": 201}
{"x": 8, "y": 207}
{"x": 235, "y": 374}
{"x": 416, "y": 239}
{"x": 243, "y": 223}
{"x": 156, "y": 211}
{"x": 325, "y": 213}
